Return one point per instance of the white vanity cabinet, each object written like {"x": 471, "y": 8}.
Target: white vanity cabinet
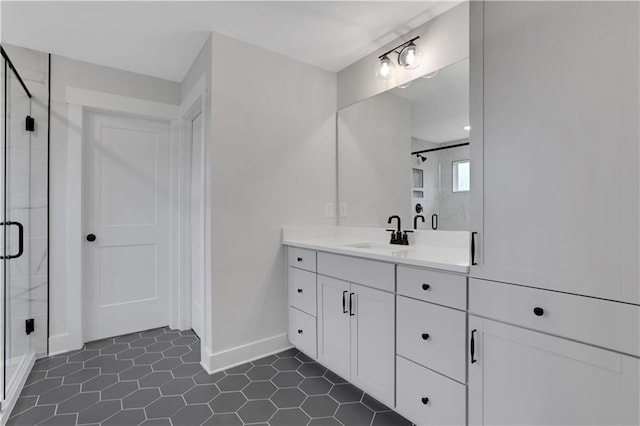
{"x": 522, "y": 375}
{"x": 356, "y": 332}
{"x": 519, "y": 376}
{"x": 302, "y": 300}
{"x": 431, "y": 326}
{"x": 397, "y": 332}
{"x": 554, "y": 145}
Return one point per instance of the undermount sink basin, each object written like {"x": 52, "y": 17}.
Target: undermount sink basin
{"x": 387, "y": 248}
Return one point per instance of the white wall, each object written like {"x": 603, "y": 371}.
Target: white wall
{"x": 374, "y": 161}
{"x": 273, "y": 165}
{"x": 443, "y": 41}
{"x": 67, "y": 72}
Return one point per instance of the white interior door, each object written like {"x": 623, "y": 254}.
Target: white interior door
{"x": 197, "y": 226}
{"x": 126, "y": 201}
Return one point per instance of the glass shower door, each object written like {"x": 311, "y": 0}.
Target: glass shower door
{"x": 23, "y": 256}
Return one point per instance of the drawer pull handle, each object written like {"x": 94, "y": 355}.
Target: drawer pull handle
{"x": 344, "y": 301}
{"x": 299, "y": 290}
{"x": 425, "y": 400}
{"x": 426, "y": 287}
{"x": 299, "y": 259}
{"x": 425, "y": 336}
{"x": 299, "y": 331}
{"x": 538, "y": 311}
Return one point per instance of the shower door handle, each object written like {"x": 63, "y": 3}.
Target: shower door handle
{"x": 20, "y": 240}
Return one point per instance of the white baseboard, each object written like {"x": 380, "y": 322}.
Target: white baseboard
{"x": 61, "y": 343}
{"x": 14, "y": 387}
{"x": 205, "y": 359}
{"x": 240, "y": 354}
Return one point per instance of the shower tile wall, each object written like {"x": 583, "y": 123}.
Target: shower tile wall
{"x": 27, "y": 201}
{"x": 452, "y": 208}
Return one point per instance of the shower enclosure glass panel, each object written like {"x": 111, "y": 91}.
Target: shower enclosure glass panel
{"x": 23, "y": 210}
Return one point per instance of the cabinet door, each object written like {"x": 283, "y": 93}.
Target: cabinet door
{"x": 373, "y": 342}
{"x": 554, "y": 141}
{"x": 525, "y": 377}
{"x": 334, "y": 332}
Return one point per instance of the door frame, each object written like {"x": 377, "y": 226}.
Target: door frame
{"x": 194, "y": 103}
{"x": 79, "y": 101}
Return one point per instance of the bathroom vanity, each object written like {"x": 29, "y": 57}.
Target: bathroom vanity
{"x": 390, "y": 319}
{"x": 440, "y": 348}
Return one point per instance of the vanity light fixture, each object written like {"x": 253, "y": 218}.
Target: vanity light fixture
{"x": 421, "y": 158}
{"x": 408, "y": 58}
{"x": 467, "y": 127}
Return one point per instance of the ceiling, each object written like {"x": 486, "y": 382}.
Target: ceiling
{"x": 162, "y": 38}
{"x": 440, "y": 105}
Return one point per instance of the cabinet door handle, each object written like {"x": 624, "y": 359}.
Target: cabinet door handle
{"x": 538, "y": 311}
{"x": 351, "y": 304}
{"x": 473, "y": 248}
{"x": 299, "y": 290}
{"x": 299, "y": 259}
{"x": 425, "y": 336}
{"x": 299, "y": 331}
{"x": 473, "y": 347}
{"x": 425, "y": 400}
{"x": 344, "y": 301}
{"x": 434, "y": 221}
{"x": 426, "y": 287}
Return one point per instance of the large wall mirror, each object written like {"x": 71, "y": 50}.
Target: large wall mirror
{"x": 406, "y": 152}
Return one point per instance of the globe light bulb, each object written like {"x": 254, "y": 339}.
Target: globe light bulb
{"x": 409, "y": 57}
{"x": 384, "y": 68}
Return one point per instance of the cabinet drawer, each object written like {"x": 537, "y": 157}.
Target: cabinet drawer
{"x": 302, "y": 258}
{"x": 432, "y": 336}
{"x": 437, "y": 287}
{"x": 302, "y": 290}
{"x": 361, "y": 271}
{"x": 599, "y": 322}
{"x": 427, "y": 398}
{"x": 302, "y": 331}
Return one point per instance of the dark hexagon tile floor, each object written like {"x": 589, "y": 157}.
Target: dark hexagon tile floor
{"x": 154, "y": 378}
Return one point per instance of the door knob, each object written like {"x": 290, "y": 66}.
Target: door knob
{"x": 91, "y": 237}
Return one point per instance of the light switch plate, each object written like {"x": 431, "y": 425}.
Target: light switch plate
{"x": 343, "y": 209}
{"x": 328, "y": 210}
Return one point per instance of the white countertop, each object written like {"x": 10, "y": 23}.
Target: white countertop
{"x": 445, "y": 250}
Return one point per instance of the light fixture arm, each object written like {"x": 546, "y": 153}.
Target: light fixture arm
{"x": 398, "y": 48}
